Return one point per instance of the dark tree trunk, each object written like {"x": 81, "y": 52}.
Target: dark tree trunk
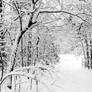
{"x": 87, "y": 62}
{"x": 91, "y": 54}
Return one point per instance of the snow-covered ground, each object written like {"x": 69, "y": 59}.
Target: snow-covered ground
{"x": 69, "y": 61}
{"x": 70, "y": 77}
{"x": 74, "y": 77}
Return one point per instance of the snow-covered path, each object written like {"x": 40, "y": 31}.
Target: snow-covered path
{"x": 70, "y": 77}
{"x": 74, "y": 78}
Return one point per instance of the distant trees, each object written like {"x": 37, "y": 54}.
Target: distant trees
{"x": 84, "y": 31}
{"x": 85, "y": 38}
{"x": 80, "y": 24}
{"x": 39, "y": 47}
{"x": 43, "y": 48}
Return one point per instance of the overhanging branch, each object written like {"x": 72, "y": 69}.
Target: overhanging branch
{"x": 61, "y": 11}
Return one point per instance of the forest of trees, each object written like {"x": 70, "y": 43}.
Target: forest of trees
{"x": 29, "y": 35}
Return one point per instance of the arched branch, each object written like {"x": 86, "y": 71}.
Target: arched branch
{"x": 16, "y": 73}
{"x": 66, "y": 12}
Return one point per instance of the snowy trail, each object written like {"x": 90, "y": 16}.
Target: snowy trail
{"x": 76, "y": 81}
{"x": 71, "y": 77}
{"x": 74, "y": 78}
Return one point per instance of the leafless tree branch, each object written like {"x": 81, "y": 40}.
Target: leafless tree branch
{"x": 61, "y": 11}
{"x": 16, "y": 73}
